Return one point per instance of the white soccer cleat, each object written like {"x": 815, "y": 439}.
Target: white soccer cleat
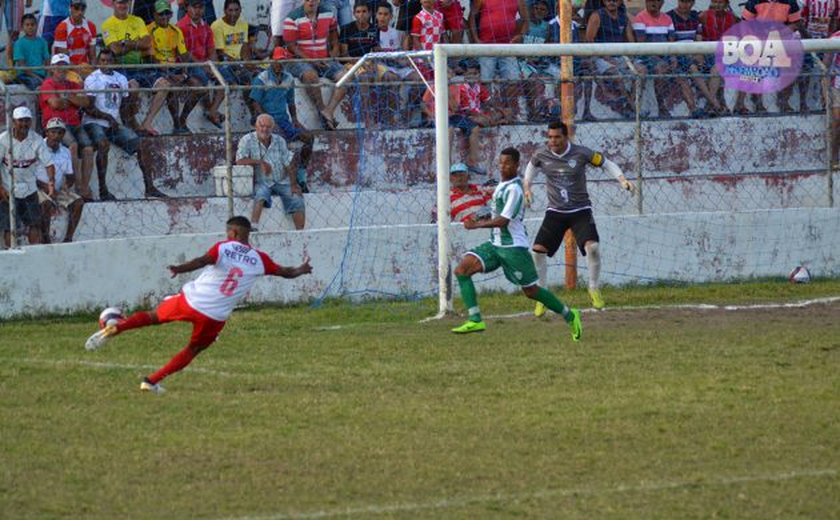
{"x": 100, "y": 337}
{"x": 148, "y": 386}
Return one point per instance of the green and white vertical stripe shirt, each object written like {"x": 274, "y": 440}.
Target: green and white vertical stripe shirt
{"x": 509, "y": 202}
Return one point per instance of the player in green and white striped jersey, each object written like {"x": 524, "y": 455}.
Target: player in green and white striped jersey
{"x": 507, "y": 248}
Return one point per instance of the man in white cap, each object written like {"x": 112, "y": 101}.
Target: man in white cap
{"x": 63, "y": 99}
{"x": 64, "y": 198}
{"x": 25, "y": 153}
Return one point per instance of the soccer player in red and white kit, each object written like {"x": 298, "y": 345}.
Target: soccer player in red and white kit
{"x": 230, "y": 269}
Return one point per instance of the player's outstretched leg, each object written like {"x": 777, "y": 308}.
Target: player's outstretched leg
{"x": 572, "y": 316}
{"x": 593, "y": 262}
{"x": 176, "y": 364}
{"x": 136, "y": 320}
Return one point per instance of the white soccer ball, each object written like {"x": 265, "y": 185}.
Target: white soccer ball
{"x": 800, "y": 274}
{"x": 110, "y": 316}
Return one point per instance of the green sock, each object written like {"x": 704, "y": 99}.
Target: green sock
{"x": 469, "y": 296}
{"x": 552, "y": 302}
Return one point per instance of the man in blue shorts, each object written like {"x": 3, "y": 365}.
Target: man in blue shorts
{"x": 272, "y": 162}
{"x": 275, "y": 95}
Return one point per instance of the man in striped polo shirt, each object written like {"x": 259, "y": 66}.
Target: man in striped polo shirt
{"x": 508, "y": 249}
{"x": 564, "y": 165}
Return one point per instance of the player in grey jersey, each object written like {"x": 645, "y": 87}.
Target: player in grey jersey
{"x": 564, "y": 166}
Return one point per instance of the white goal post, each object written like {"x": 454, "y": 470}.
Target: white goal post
{"x": 443, "y": 52}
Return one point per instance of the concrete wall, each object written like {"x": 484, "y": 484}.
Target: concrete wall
{"x": 701, "y": 247}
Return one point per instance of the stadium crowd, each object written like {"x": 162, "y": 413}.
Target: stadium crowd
{"x": 71, "y": 63}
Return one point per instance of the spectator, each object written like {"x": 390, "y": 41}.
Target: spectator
{"x": 31, "y": 51}
{"x": 832, "y": 61}
{"x": 198, "y": 37}
{"x": 652, "y": 25}
{"x": 610, "y": 24}
{"x": 714, "y": 22}
{"x": 52, "y": 13}
{"x": 272, "y": 163}
{"x": 536, "y": 71}
{"x": 13, "y": 11}
{"x": 76, "y": 36}
{"x": 426, "y": 30}
{"x": 453, "y": 19}
{"x": 687, "y": 28}
{"x": 359, "y": 37}
{"x": 311, "y": 32}
{"x": 64, "y": 179}
{"x": 168, "y": 47}
{"x": 466, "y": 201}
{"x": 781, "y": 11}
{"x": 279, "y": 103}
{"x": 65, "y": 104}
{"x": 208, "y": 11}
{"x": 280, "y": 9}
{"x": 819, "y": 18}
{"x": 30, "y": 155}
{"x": 396, "y": 69}
{"x": 230, "y": 37}
{"x": 101, "y": 122}
{"x": 580, "y": 66}
{"x": 408, "y": 10}
{"x": 127, "y": 37}
{"x": 495, "y": 21}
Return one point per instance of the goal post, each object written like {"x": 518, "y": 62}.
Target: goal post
{"x": 444, "y": 52}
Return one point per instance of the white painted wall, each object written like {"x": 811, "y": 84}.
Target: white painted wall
{"x": 691, "y": 247}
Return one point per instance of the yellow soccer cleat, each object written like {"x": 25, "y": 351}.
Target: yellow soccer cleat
{"x": 576, "y": 325}
{"x": 539, "y": 310}
{"x": 470, "y": 326}
{"x": 597, "y": 299}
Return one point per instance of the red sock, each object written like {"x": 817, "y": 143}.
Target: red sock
{"x": 136, "y": 320}
{"x": 177, "y": 363}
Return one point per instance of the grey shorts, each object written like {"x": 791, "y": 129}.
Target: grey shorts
{"x": 76, "y": 134}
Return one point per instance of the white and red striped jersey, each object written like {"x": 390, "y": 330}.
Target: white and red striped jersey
{"x": 472, "y": 96}
{"x": 221, "y": 286}
{"x": 819, "y": 15}
{"x": 428, "y": 26}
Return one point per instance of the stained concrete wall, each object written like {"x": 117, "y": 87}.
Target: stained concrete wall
{"x": 699, "y": 247}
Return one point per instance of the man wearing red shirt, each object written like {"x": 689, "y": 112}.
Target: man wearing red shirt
{"x": 55, "y": 103}
{"x": 198, "y": 37}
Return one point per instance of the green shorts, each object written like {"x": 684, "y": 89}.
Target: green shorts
{"x": 516, "y": 262}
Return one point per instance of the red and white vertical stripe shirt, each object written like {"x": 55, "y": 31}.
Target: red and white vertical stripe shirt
{"x": 819, "y": 15}
{"x": 222, "y": 285}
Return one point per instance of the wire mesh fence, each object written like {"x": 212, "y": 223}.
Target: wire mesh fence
{"x": 372, "y": 152}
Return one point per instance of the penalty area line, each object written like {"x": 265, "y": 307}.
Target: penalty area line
{"x": 460, "y": 501}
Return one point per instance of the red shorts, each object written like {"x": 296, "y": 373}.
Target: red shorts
{"x": 453, "y": 16}
{"x": 176, "y": 308}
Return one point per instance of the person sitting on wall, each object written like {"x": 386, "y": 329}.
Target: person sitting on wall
{"x": 273, "y": 167}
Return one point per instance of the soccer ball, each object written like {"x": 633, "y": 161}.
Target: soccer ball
{"x": 110, "y": 316}
{"x": 800, "y": 275}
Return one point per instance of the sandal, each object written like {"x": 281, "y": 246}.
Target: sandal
{"x": 215, "y": 119}
{"x": 329, "y": 124}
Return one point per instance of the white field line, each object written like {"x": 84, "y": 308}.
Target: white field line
{"x": 459, "y": 501}
{"x": 678, "y": 306}
{"x": 112, "y": 366}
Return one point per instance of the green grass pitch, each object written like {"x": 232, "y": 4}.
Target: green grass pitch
{"x": 362, "y": 412}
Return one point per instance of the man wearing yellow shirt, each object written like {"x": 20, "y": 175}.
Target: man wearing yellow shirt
{"x": 230, "y": 36}
{"x": 127, "y": 37}
{"x": 168, "y": 46}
